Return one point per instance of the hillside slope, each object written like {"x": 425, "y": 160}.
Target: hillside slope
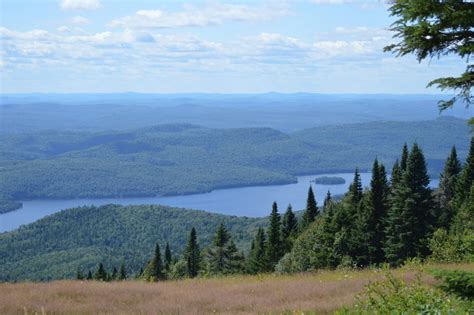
{"x": 55, "y": 246}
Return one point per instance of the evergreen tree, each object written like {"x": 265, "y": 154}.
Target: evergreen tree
{"x": 168, "y": 257}
{"x": 409, "y": 220}
{"x": 123, "y": 272}
{"x": 289, "y": 228}
{"x": 218, "y": 255}
{"x": 79, "y": 274}
{"x": 362, "y": 237}
{"x": 114, "y": 274}
{"x": 192, "y": 255}
{"x": 274, "y": 245}
{"x": 256, "y": 259}
{"x": 355, "y": 189}
{"x": 447, "y": 186}
{"x": 327, "y": 200}
{"x": 404, "y": 159}
{"x": 376, "y": 211}
{"x": 236, "y": 260}
{"x": 396, "y": 177}
{"x": 466, "y": 178}
{"x": 311, "y": 209}
{"x": 89, "y": 275}
{"x": 155, "y": 269}
{"x": 101, "y": 273}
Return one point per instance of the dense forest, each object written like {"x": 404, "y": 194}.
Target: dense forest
{"x": 395, "y": 219}
{"x": 180, "y": 158}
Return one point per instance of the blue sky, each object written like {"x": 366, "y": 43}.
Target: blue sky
{"x": 323, "y": 46}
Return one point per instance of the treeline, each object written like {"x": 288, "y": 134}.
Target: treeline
{"x": 391, "y": 221}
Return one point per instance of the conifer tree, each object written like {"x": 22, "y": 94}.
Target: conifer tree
{"x": 256, "y": 259}
{"x": 447, "y": 186}
{"x": 311, "y": 209}
{"x": 274, "y": 245}
{"x": 236, "y": 260}
{"x": 363, "y": 235}
{"x": 327, "y": 200}
{"x": 168, "y": 257}
{"x": 355, "y": 189}
{"x": 79, "y": 274}
{"x": 289, "y": 228}
{"x": 101, "y": 273}
{"x": 404, "y": 159}
{"x": 409, "y": 220}
{"x": 218, "y": 255}
{"x": 114, "y": 274}
{"x": 89, "y": 275}
{"x": 156, "y": 265}
{"x": 192, "y": 255}
{"x": 466, "y": 178}
{"x": 396, "y": 177}
{"x": 123, "y": 272}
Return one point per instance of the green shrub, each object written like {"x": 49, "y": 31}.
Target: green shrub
{"x": 447, "y": 247}
{"x": 457, "y": 282}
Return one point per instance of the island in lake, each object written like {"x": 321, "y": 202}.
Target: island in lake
{"x": 330, "y": 180}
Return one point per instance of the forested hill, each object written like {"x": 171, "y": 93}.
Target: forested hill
{"x": 55, "y": 246}
{"x": 183, "y": 158}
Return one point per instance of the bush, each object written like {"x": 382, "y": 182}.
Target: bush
{"x": 451, "y": 248}
{"x": 457, "y": 282}
{"x": 395, "y": 296}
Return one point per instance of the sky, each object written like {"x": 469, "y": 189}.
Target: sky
{"x": 320, "y": 46}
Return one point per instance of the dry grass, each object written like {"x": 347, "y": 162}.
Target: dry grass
{"x": 321, "y": 292}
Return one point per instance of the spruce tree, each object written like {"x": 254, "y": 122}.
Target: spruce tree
{"x": 311, "y": 209}
{"x": 274, "y": 245}
{"x": 447, "y": 186}
{"x": 396, "y": 177}
{"x": 89, "y": 275}
{"x": 404, "y": 159}
{"x": 363, "y": 235}
{"x": 123, "y": 272}
{"x": 218, "y": 255}
{"x": 466, "y": 178}
{"x": 355, "y": 189}
{"x": 289, "y": 228}
{"x": 156, "y": 265}
{"x": 377, "y": 210}
{"x": 168, "y": 257}
{"x": 114, "y": 274}
{"x": 327, "y": 200}
{"x": 192, "y": 255}
{"x": 256, "y": 259}
{"x": 101, "y": 273}
{"x": 409, "y": 220}
{"x": 79, "y": 274}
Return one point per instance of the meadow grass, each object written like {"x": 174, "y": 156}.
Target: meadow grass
{"x": 321, "y": 292}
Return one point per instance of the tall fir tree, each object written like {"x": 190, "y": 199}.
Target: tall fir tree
{"x": 289, "y": 228}
{"x": 114, "y": 275}
{"x": 156, "y": 268}
{"x": 101, "y": 273}
{"x": 122, "y": 272}
{"x": 410, "y": 216}
{"x": 311, "y": 210}
{"x": 218, "y": 255}
{"x": 327, "y": 200}
{"x": 89, "y": 275}
{"x": 466, "y": 178}
{"x": 256, "y": 259}
{"x": 192, "y": 255}
{"x": 168, "y": 257}
{"x": 79, "y": 274}
{"x": 396, "y": 177}
{"x": 363, "y": 234}
{"x": 447, "y": 187}
{"x": 404, "y": 158}
{"x": 355, "y": 189}
{"x": 274, "y": 245}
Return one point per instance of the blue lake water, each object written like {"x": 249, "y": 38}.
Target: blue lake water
{"x": 253, "y": 201}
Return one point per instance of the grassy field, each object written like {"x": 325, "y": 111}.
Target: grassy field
{"x": 322, "y": 292}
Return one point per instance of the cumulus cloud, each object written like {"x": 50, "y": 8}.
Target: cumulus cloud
{"x": 80, "y": 4}
{"x": 192, "y": 16}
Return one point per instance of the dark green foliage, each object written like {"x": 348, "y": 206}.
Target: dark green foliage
{"x": 192, "y": 255}
{"x": 114, "y": 274}
{"x": 177, "y": 159}
{"x": 257, "y": 259}
{"x": 330, "y": 180}
{"x": 355, "y": 189}
{"x": 89, "y": 275}
{"x": 433, "y": 29}
{"x": 223, "y": 256}
{"x": 53, "y": 247}
{"x": 396, "y": 177}
{"x": 274, "y": 245}
{"x": 9, "y": 205}
{"x": 122, "y": 273}
{"x": 168, "y": 257}
{"x": 289, "y": 228}
{"x": 404, "y": 158}
{"x": 446, "y": 191}
{"x": 327, "y": 200}
{"x": 101, "y": 273}
{"x": 154, "y": 271}
{"x": 409, "y": 218}
{"x": 466, "y": 178}
{"x": 79, "y": 275}
{"x": 311, "y": 210}
{"x": 458, "y": 282}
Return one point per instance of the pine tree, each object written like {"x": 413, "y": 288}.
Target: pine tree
{"x": 289, "y": 228}
{"x": 168, "y": 257}
{"x": 327, "y": 200}
{"x": 274, "y": 246}
{"x": 236, "y": 260}
{"x": 123, "y": 272}
{"x": 155, "y": 271}
{"x": 361, "y": 246}
{"x": 447, "y": 186}
{"x": 377, "y": 210}
{"x": 256, "y": 259}
{"x": 409, "y": 220}
{"x": 89, "y": 275}
{"x": 311, "y": 209}
{"x": 114, "y": 274}
{"x": 218, "y": 255}
{"x": 192, "y": 255}
{"x": 79, "y": 274}
{"x": 466, "y": 178}
{"x": 101, "y": 273}
{"x": 396, "y": 177}
{"x": 355, "y": 189}
{"x": 404, "y": 159}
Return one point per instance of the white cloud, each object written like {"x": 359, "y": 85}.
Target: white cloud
{"x": 80, "y": 4}
{"x": 80, "y": 20}
{"x": 192, "y": 16}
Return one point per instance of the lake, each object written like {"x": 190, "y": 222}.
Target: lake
{"x": 253, "y": 201}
